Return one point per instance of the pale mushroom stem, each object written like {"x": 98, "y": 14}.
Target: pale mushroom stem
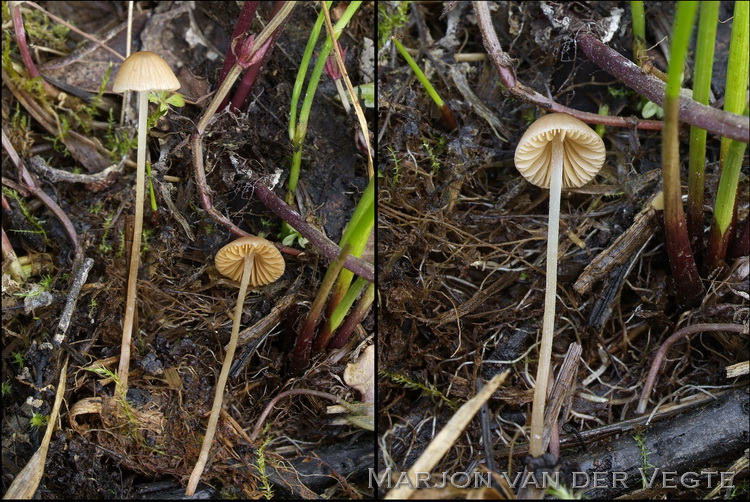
{"x": 536, "y": 446}
{"x": 208, "y": 439}
{"x": 135, "y": 250}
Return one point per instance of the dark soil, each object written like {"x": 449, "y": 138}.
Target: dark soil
{"x": 184, "y": 306}
{"x": 462, "y": 244}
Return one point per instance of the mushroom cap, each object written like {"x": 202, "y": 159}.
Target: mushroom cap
{"x": 583, "y": 151}
{"x": 145, "y": 71}
{"x": 268, "y": 264}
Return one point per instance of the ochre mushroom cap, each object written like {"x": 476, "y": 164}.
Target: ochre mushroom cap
{"x": 268, "y": 264}
{"x": 583, "y": 151}
{"x": 145, "y": 71}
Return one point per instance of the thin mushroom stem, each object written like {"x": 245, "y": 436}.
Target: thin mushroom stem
{"x": 550, "y": 296}
{"x": 135, "y": 251}
{"x": 208, "y": 439}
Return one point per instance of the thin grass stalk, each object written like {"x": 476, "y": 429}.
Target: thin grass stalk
{"x": 300, "y": 357}
{"x": 302, "y": 72}
{"x": 738, "y": 68}
{"x": 639, "y": 31}
{"x": 704, "y": 60}
{"x": 687, "y": 281}
{"x": 724, "y": 210}
{"x": 444, "y": 109}
{"x": 300, "y": 131}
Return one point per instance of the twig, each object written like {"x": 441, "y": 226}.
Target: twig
{"x": 713, "y": 120}
{"x": 33, "y": 189}
{"x": 504, "y": 66}
{"x": 662, "y": 352}
{"x": 81, "y": 274}
{"x": 355, "y": 101}
{"x": 326, "y": 245}
{"x": 291, "y": 392}
{"x": 54, "y": 175}
{"x": 716, "y": 121}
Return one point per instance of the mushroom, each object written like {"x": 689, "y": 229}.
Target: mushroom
{"x": 253, "y": 261}
{"x": 143, "y": 72}
{"x": 556, "y": 151}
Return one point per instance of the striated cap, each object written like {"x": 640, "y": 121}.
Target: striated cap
{"x": 268, "y": 264}
{"x": 145, "y": 71}
{"x": 583, "y": 151}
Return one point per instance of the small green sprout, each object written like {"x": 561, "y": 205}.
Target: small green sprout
{"x": 164, "y": 100}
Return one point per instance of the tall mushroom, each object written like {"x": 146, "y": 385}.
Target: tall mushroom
{"x": 143, "y": 72}
{"x": 556, "y": 151}
{"x": 253, "y": 261}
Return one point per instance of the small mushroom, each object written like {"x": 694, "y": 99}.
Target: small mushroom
{"x": 143, "y": 72}
{"x": 253, "y": 261}
{"x": 556, "y": 151}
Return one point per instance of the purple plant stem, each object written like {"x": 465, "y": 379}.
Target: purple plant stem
{"x": 716, "y": 121}
{"x": 504, "y": 66}
{"x": 23, "y": 48}
{"x": 251, "y": 75}
{"x": 300, "y": 357}
{"x": 662, "y": 352}
{"x": 30, "y": 185}
{"x": 240, "y": 31}
{"x": 355, "y": 317}
{"x": 326, "y": 246}
{"x": 688, "y": 286}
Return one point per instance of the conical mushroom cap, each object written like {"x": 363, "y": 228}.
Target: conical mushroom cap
{"x": 268, "y": 264}
{"x": 583, "y": 151}
{"x": 145, "y": 71}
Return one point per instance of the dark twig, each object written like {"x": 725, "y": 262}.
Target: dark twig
{"x": 662, "y": 352}
{"x": 291, "y": 392}
{"x": 26, "y": 178}
{"x": 716, "y": 121}
{"x": 326, "y": 245}
{"x": 81, "y": 275}
{"x": 504, "y": 66}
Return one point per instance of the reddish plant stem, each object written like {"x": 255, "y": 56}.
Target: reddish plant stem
{"x": 662, "y": 352}
{"x": 23, "y": 47}
{"x": 30, "y": 185}
{"x": 716, "y": 121}
{"x": 323, "y": 243}
{"x": 355, "y": 317}
{"x": 251, "y": 75}
{"x": 688, "y": 285}
{"x": 240, "y": 32}
{"x": 504, "y": 66}
{"x": 269, "y": 407}
{"x": 300, "y": 356}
